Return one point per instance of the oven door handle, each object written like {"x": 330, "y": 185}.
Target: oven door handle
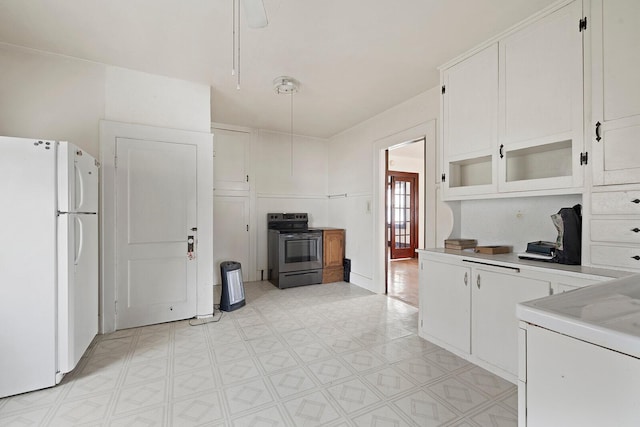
{"x": 299, "y": 236}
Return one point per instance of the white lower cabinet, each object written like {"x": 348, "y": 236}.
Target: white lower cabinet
{"x": 447, "y": 303}
{"x": 468, "y": 304}
{"x": 493, "y": 320}
{"x": 470, "y": 309}
{"x": 569, "y": 382}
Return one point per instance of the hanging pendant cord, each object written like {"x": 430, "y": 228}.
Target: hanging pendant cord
{"x": 238, "y": 72}
{"x": 233, "y": 36}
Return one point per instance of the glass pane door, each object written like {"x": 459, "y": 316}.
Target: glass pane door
{"x": 404, "y": 213}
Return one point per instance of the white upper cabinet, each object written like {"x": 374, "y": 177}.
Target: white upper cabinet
{"x": 231, "y": 160}
{"x": 470, "y": 102}
{"x": 513, "y": 112}
{"x": 470, "y": 132}
{"x": 541, "y": 79}
{"x": 541, "y": 104}
{"x": 615, "y": 133}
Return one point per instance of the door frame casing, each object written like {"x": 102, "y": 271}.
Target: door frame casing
{"x": 426, "y": 130}
{"x": 109, "y": 132}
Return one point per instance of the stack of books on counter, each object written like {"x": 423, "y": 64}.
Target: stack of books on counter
{"x": 460, "y": 244}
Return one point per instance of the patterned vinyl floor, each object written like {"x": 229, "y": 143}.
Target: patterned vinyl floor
{"x": 331, "y": 355}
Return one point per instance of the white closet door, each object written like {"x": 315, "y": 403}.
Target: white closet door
{"x": 155, "y": 215}
{"x": 230, "y": 233}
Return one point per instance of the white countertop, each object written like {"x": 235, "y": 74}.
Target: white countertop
{"x": 605, "y": 314}
{"x": 513, "y": 260}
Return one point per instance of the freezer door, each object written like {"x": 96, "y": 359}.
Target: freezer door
{"x": 77, "y": 287}
{"x": 77, "y": 180}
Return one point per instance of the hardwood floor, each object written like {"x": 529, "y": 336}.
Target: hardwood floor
{"x": 402, "y": 280}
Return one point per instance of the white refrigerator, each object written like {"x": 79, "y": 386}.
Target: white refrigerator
{"x": 48, "y": 261}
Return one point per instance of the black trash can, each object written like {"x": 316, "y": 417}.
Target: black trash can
{"x": 232, "y": 296}
{"x": 346, "y": 263}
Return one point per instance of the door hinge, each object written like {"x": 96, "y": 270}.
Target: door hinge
{"x": 115, "y": 161}
{"x": 444, "y": 89}
{"x": 584, "y": 158}
{"x": 116, "y": 306}
{"x": 247, "y": 227}
{"x": 443, "y": 178}
{"x": 247, "y": 178}
{"x": 582, "y": 26}
{"x": 421, "y": 322}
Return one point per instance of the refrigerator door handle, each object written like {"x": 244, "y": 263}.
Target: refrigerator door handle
{"x": 79, "y": 187}
{"x": 79, "y": 240}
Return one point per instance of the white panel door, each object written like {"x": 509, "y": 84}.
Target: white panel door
{"x": 231, "y": 159}
{"x": 230, "y": 233}
{"x": 155, "y": 215}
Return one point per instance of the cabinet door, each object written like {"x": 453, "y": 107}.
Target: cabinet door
{"x": 230, "y": 233}
{"x": 494, "y": 322}
{"x": 231, "y": 160}
{"x": 471, "y": 104}
{"x": 333, "y": 247}
{"x": 569, "y": 381}
{"x": 541, "y": 104}
{"x": 616, "y": 91}
{"x": 470, "y": 123}
{"x": 446, "y": 303}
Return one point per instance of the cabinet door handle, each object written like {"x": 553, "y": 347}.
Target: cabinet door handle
{"x": 478, "y": 281}
{"x": 598, "y": 136}
{"x": 466, "y": 279}
{"x": 636, "y": 201}
{"x": 501, "y": 151}
{"x": 637, "y": 257}
{"x": 635, "y": 230}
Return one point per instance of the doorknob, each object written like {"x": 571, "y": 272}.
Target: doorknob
{"x": 190, "y": 246}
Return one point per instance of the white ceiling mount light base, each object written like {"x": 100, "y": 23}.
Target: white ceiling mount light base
{"x": 285, "y": 85}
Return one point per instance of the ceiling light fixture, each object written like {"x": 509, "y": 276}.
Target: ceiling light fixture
{"x": 286, "y": 85}
{"x": 256, "y": 17}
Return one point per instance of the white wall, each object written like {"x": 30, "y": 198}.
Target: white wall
{"x": 351, "y": 160}
{"x": 142, "y": 98}
{"x": 513, "y": 222}
{"x": 288, "y": 184}
{"x": 52, "y": 97}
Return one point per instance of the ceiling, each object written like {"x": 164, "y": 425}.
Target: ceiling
{"x": 353, "y": 58}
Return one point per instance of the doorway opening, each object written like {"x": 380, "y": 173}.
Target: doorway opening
{"x": 404, "y": 225}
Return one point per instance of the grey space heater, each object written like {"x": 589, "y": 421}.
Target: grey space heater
{"x": 232, "y": 296}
